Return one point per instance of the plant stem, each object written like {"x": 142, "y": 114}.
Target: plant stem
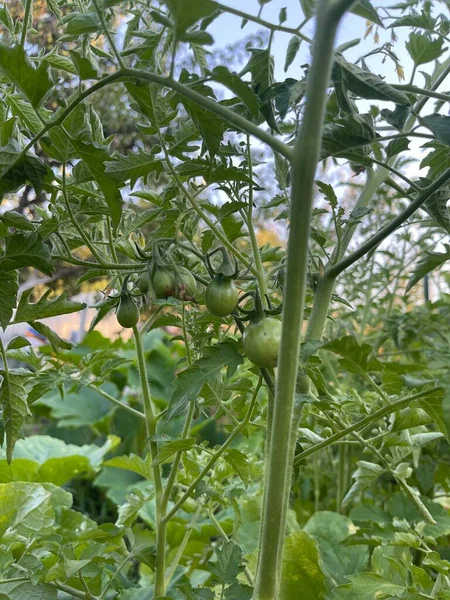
{"x": 383, "y": 233}
{"x": 26, "y": 18}
{"x": 362, "y": 423}
{"x": 305, "y": 157}
{"x": 113, "y": 47}
{"x": 151, "y": 421}
{"x": 176, "y": 560}
{"x": 215, "y": 457}
{"x": 421, "y": 91}
{"x": 251, "y": 230}
{"x": 117, "y": 402}
{"x": 266, "y": 24}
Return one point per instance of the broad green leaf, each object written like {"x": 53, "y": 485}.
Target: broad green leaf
{"x": 228, "y": 563}
{"x": 17, "y": 169}
{"x": 186, "y": 13}
{"x": 329, "y": 530}
{"x": 351, "y": 132}
{"x": 80, "y": 24}
{"x": 27, "y": 590}
{"x": 131, "y": 463}
{"x": 368, "y": 586}
{"x": 428, "y": 262}
{"x": 94, "y": 158}
{"x": 44, "y": 308}
{"x": 438, "y": 160}
{"x": 396, "y": 147}
{"x": 365, "y": 475}
{"x": 57, "y": 343}
{"x": 61, "y": 62}
{"x": 13, "y": 400}
{"x": 397, "y": 117}
{"x": 77, "y": 409}
{"x": 189, "y": 383}
{"x": 168, "y": 449}
{"x": 363, "y": 9}
{"x": 16, "y": 66}
{"x": 14, "y": 219}
{"x": 356, "y": 358}
{"x": 433, "y": 405}
{"x": 424, "y": 49}
{"x": 291, "y": 52}
{"x": 9, "y": 287}
{"x": 133, "y": 166}
{"x": 301, "y": 570}
{"x": 439, "y": 126}
{"x": 83, "y": 67}
{"x": 368, "y": 85}
{"x": 25, "y": 112}
{"x": 239, "y": 87}
{"x": 18, "y": 342}
{"x": 419, "y": 21}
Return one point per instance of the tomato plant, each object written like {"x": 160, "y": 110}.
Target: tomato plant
{"x": 224, "y": 300}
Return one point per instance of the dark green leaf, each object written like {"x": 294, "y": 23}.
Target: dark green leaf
{"x": 13, "y": 400}
{"x": 423, "y": 49}
{"x": 168, "y": 449}
{"x": 229, "y": 562}
{"x": 396, "y": 117}
{"x": 44, "y": 308}
{"x": 364, "y": 9}
{"x": 239, "y": 87}
{"x": 83, "y": 67}
{"x": 14, "y": 219}
{"x": 427, "y": 263}
{"x": 83, "y": 23}
{"x": 292, "y": 50}
{"x": 340, "y": 137}
{"x": 17, "y": 169}
{"x": 9, "y": 286}
{"x": 133, "y": 166}
{"x": 186, "y": 13}
{"x": 16, "y": 66}
{"x": 396, "y": 147}
{"x": 356, "y": 358}
{"x": 26, "y": 250}
{"x": 439, "y": 125}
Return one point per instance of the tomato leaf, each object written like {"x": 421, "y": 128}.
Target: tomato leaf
{"x": 34, "y": 84}
{"x": 9, "y": 286}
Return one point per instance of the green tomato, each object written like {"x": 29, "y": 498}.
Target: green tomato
{"x": 144, "y": 282}
{"x": 127, "y": 312}
{"x": 221, "y": 296}
{"x": 163, "y": 282}
{"x": 187, "y": 286}
{"x": 261, "y": 342}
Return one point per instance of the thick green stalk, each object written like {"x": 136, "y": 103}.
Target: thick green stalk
{"x": 304, "y": 161}
{"x": 151, "y": 422}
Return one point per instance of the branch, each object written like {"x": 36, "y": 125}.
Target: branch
{"x": 375, "y": 240}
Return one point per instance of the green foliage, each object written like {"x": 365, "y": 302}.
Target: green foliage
{"x": 133, "y": 462}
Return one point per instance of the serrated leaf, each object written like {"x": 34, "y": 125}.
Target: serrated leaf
{"x": 16, "y": 66}
{"x": 368, "y": 586}
{"x": 132, "y": 463}
{"x": 438, "y": 159}
{"x": 239, "y": 87}
{"x": 133, "y": 166}
{"x": 427, "y": 263}
{"x": 60, "y": 62}
{"x": 168, "y": 449}
{"x": 9, "y": 287}
{"x": 25, "y": 112}
{"x": 352, "y": 131}
{"x": 94, "y": 158}
{"x": 17, "y": 169}
{"x": 44, "y": 308}
{"x": 82, "y": 66}
{"x": 80, "y": 24}
{"x": 189, "y": 383}
{"x": 26, "y": 250}
{"x": 301, "y": 569}
{"x": 356, "y": 358}
{"x": 13, "y": 400}
{"x": 423, "y": 49}
{"x": 56, "y": 342}
{"x": 368, "y": 85}
{"x": 396, "y": 147}
{"x": 228, "y": 564}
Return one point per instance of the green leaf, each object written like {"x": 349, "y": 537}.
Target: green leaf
{"x": 83, "y": 23}
{"x": 239, "y": 87}
{"x": 186, "y": 13}
{"x": 396, "y": 117}
{"x": 396, "y": 147}
{"x": 364, "y": 9}
{"x": 356, "y": 358}
{"x": 291, "y": 52}
{"x": 17, "y": 169}
{"x": 329, "y": 530}
{"x": 61, "y": 62}
{"x": 168, "y": 449}
{"x": 301, "y": 569}
{"x": 44, "y": 308}
{"x": 189, "y": 383}
{"x": 25, "y": 112}
{"x": 18, "y": 342}
{"x": 341, "y": 136}
{"x": 308, "y": 8}
{"x": 228, "y": 564}
{"x": 438, "y": 160}
{"x": 433, "y": 405}
{"x": 427, "y": 263}
{"x": 368, "y": 85}
{"x": 13, "y": 400}
{"x": 132, "y": 463}
{"x": 16, "y": 66}
{"x": 261, "y": 68}
{"x": 419, "y": 21}
{"x": 94, "y": 158}
{"x": 26, "y": 590}
{"x": 14, "y": 219}
{"x": 423, "y": 49}
{"x": 57, "y": 343}
{"x": 439, "y": 126}
{"x": 133, "y": 166}
{"x": 82, "y": 66}
{"x": 9, "y": 287}
{"x": 26, "y": 250}
{"x": 368, "y": 586}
